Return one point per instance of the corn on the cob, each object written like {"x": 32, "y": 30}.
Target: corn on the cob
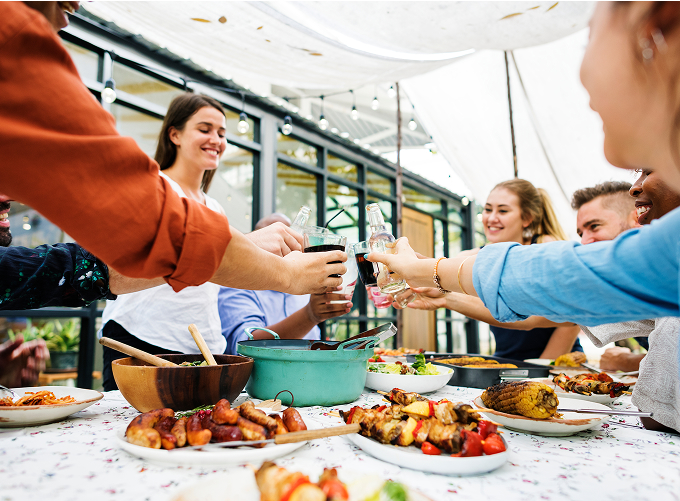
{"x": 527, "y": 398}
{"x": 573, "y": 359}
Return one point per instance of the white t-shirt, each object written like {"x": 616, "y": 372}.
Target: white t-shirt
{"x": 161, "y": 316}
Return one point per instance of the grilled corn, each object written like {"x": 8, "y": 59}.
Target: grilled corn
{"x": 573, "y": 359}
{"x": 526, "y": 398}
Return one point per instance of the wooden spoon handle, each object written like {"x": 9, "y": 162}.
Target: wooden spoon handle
{"x": 202, "y": 345}
{"x": 300, "y": 436}
{"x": 134, "y": 352}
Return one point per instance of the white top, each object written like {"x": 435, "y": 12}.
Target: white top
{"x": 658, "y": 388}
{"x": 161, "y": 316}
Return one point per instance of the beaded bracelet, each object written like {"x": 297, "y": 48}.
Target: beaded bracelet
{"x": 436, "y": 279}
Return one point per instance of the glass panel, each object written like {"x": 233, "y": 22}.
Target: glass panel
{"x": 233, "y": 118}
{"x": 86, "y": 61}
{"x": 421, "y": 201}
{"x": 342, "y": 168}
{"x": 295, "y": 188}
{"x": 294, "y": 148}
{"x": 30, "y": 229}
{"x": 232, "y": 186}
{"x": 142, "y": 85}
{"x": 455, "y": 216}
{"x": 347, "y": 223}
{"x": 378, "y": 183}
{"x": 341, "y": 328}
{"x": 144, "y": 129}
{"x": 386, "y": 208}
{"x": 455, "y": 239}
{"x": 458, "y": 323}
{"x": 439, "y": 238}
{"x": 480, "y": 239}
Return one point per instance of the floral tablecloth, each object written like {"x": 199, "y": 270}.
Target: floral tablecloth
{"x": 78, "y": 459}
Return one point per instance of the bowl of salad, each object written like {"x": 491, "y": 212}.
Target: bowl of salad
{"x": 420, "y": 377}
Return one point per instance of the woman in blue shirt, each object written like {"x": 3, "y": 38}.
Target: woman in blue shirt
{"x": 630, "y": 70}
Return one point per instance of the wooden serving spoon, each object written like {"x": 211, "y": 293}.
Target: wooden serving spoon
{"x": 134, "y": 352}
{"x": 202, "y": 345}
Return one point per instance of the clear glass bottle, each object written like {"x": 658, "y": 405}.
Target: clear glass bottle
{"x": 388, "y": 281}
{"x": 301, "y": 219}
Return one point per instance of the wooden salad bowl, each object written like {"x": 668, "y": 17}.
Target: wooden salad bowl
{"x": 148, "y": 387}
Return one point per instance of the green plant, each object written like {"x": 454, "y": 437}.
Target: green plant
{"x": 58, "y": 337}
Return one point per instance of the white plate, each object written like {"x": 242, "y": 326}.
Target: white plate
{"x": 600, "y": 399}
{"x": 240, "y": 485}
{"x": 569, "y": 424}
{"x": 35, "y": 415}
{"x": 213, "y": 457}
{"x": 408, "y": 382}
{"x": 412, "y": 457}
{"x": 540, "y": 361}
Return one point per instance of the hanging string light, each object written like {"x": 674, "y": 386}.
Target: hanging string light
{"x": 412, "y": 124}
{"x": 109, "y": 92}
{"x": 354, "y": 113}
{"x": 375, "y": 104}
{"x": 323, "y": 123}
{"x": 391, "y": 93}
{"x": 287, "y": 125}
{"x": 243, "y": 124}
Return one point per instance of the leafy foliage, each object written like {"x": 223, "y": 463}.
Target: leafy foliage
{"x": 57, "y": 336}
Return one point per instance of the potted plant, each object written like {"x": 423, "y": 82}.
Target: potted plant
{"x": 62, "y": 341}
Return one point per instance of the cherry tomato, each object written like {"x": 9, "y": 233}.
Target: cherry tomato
{"x": 493, "y": 444}
{"x": 486, "y": 427}
{"x": 293, "y": 486}
{"x": 335, "y": 490}
{"x": 472, "y": 444}
{"x": 430, "y": 449}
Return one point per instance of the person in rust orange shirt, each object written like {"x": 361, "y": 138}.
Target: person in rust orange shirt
{"x": 62, "y": 156}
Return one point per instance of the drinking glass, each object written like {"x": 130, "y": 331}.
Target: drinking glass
{"x": 379, "y": 299}
{"x": 349, "y": 279}
{"x": 368, "y": 271}
{"x": 317, "y": 239}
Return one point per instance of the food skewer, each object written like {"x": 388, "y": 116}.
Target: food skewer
{"x": 285, "y": 438}
{"x": 134, "y": 352}
{"x": 202, "y": 345}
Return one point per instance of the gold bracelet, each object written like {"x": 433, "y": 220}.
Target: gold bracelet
{"x": 460, "y": 268}
{"x": 436, "y": 279}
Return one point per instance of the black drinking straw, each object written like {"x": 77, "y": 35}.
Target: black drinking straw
{"x": 331, "y": 219}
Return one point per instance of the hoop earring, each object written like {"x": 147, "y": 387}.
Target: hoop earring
{"x": 659, "y": 40}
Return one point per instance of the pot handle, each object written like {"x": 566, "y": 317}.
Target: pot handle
{"x": 249, "y": 332}
{"x": 370, "y": 342}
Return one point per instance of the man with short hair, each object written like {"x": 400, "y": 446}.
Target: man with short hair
{"x": 604, "y": 211}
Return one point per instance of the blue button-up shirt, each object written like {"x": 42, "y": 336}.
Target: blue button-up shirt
{"x": 242, "y": 308}
{"x": 633, "y": 277}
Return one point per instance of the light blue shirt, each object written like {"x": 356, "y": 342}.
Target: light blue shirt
{"x": 633, "y": 277}
{"x": 242, "y": 308}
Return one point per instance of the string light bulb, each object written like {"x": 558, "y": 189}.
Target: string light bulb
{"x": 375, "y": 104}
{"x": 243, "y": 125}
{"x": 412, "y": 124}
{"x": 354, "y": 114}
{"x": 287, "y": 125}
{"x": 323, "y": 123}
{"x": 391, "y": 92}
{"x": 109, "y": 92}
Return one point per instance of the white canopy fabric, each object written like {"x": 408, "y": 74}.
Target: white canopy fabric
{"x": 448, "y": 57}
{"x": 559, "y": 138}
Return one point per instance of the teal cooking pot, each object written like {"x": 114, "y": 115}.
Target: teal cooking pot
{"x": 314, "y": 377}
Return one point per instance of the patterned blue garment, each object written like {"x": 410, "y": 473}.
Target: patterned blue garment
{"x": 633, "y": 277}
{"x": 51, "y": 275}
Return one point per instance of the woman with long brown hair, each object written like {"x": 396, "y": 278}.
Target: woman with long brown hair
{"x": 190, "y": 144}
{"x": 515, "y": 211}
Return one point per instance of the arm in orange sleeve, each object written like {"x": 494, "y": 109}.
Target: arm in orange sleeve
{"x": 62, "y": 155}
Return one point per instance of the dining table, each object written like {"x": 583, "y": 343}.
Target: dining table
{"x": 80, "y": 458}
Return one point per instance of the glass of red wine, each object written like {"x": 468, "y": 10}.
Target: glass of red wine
{"x": 322, "y": 240}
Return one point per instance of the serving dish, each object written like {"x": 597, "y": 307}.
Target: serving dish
{"x": 240, "y": 485}
{"x": 483, "y": 378}
{"x": 569, "y": 424}
{"x": 35, "y": 415}
{"x": 413, "y": 458}
{"x": 212, "y": 457}
{"x": 148, "y": 387}
{"x": 314, "y": 377}
{"x": 408, "y": 382}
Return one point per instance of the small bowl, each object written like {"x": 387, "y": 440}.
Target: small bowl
{"x": 148, "y": 387}
{"x": 408, "y": 382}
